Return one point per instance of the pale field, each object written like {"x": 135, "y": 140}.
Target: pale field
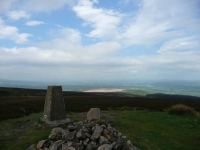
{"x": 104, "y": 90}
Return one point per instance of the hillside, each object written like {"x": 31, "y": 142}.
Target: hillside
{"x": 17, "y": 102}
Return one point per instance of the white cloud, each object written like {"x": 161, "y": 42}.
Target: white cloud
{"x": 58, "y": 56}
{"x": 158, "y": 21}
{"x": 11, "y": 32}
{"x": 5, "y": 5}
{"x": 34, "y": 23}
{"x": 134, "y": 71}
{"x": 71, "y": 35}
{"x": 180, "y": 44}
{"x": 155, "y": 22}
{"x": 16, "y": 15}
{"x": 58, "y": 53}
{"x": 172, "y": 61}
{"x": 170, "y": 28}
{"x": 103, "y": 21}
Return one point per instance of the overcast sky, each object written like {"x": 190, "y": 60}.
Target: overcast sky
{"x": 99, "y": 39}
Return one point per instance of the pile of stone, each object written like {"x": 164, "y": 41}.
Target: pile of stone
{"x": 90, "y": 134}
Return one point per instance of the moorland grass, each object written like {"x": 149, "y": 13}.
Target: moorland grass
{"x": 180, "y": 109}
{"x": 16, "y": 102}
{"x": 159, "y": 130}
{"x": 147, "y": 130}
{"x": 19, "y": 136}
{"x": 10, "y": 107}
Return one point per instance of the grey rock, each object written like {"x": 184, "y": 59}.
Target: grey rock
{"x": 102, "y": 122}
{"x": 46, "y": 144}
{"x": 96, "y": 133}
{"x": 103, "y": 140}
{"x": 124, "y": 137}
{"x": 115, "y": 133}
{"x": 80, "y": 142}
{"x": 120, "y": 141}
{"x": 65, "y": 134}
{"x": 93, "y": 114}
{"x": 93, "y": 128}
{"x": 86, "y": 141}
{"x": 71, "y": 135}
{"x": 81, "y": 147}
{"x": 93, "y": 143}
{"x": 92, "y": 123}
{"x": 32, "y": 147}
{"x": 76, "y": 145}
{"x": 118, "y": 147}
{"x": 80, "y": 134}
{"x": 54, "y": 147}
{"x": 130, "y": 146}
{"x": 71, "y": 148}
{"x": 88, "y": 135}
{"x": 71, "y": 128}
{"x": 104, "y": 126}
{"x": 64, "y": 147}
{"x": 58, "y": 142}
{"x": 56, "y": 134}
{"x": 119, "y": 134}
{"x": 69, "y": 143}
{"x": 108, "y": 125}
{"x": 110, "y": 130}
{"x": 106, "y": 146}
{"x": 89, "y": 146}
{"x": 85, "y": 129}
{"x": 40, "y": 144}
{"x": 85, "y": 121}
{"x": 78, "y": 125}
{"x": 105, "y": 134}
{"x": 113, "y": 138}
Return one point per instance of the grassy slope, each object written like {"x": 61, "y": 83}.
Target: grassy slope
{"x": 17, "y": 135}
{"x": 147, "y": 130}
{"x": 159, "y": 130}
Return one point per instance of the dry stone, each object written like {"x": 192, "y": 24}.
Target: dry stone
{"x": 56, "y": 134}
{"x": 103, "y": 140}
{"x": 93, "y": 114}
{"x": 80, "y": 136}
{"x": 97, "y": 133}
{"x": 107, "y": 146}
{"x": 32, "y": 147}
{"x": 40, "y": 144}
{"x": 54, "y": 147}
{"x": 130, "y": 146}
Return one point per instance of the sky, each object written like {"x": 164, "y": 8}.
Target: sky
{"x": 65, "y": 40}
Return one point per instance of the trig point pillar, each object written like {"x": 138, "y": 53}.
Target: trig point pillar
{"x": 54, "y": 108}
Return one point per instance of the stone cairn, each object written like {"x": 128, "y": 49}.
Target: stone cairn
{"x": 90, "y": 134}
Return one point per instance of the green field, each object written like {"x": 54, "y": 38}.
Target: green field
{"x": 147, "y": 130}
